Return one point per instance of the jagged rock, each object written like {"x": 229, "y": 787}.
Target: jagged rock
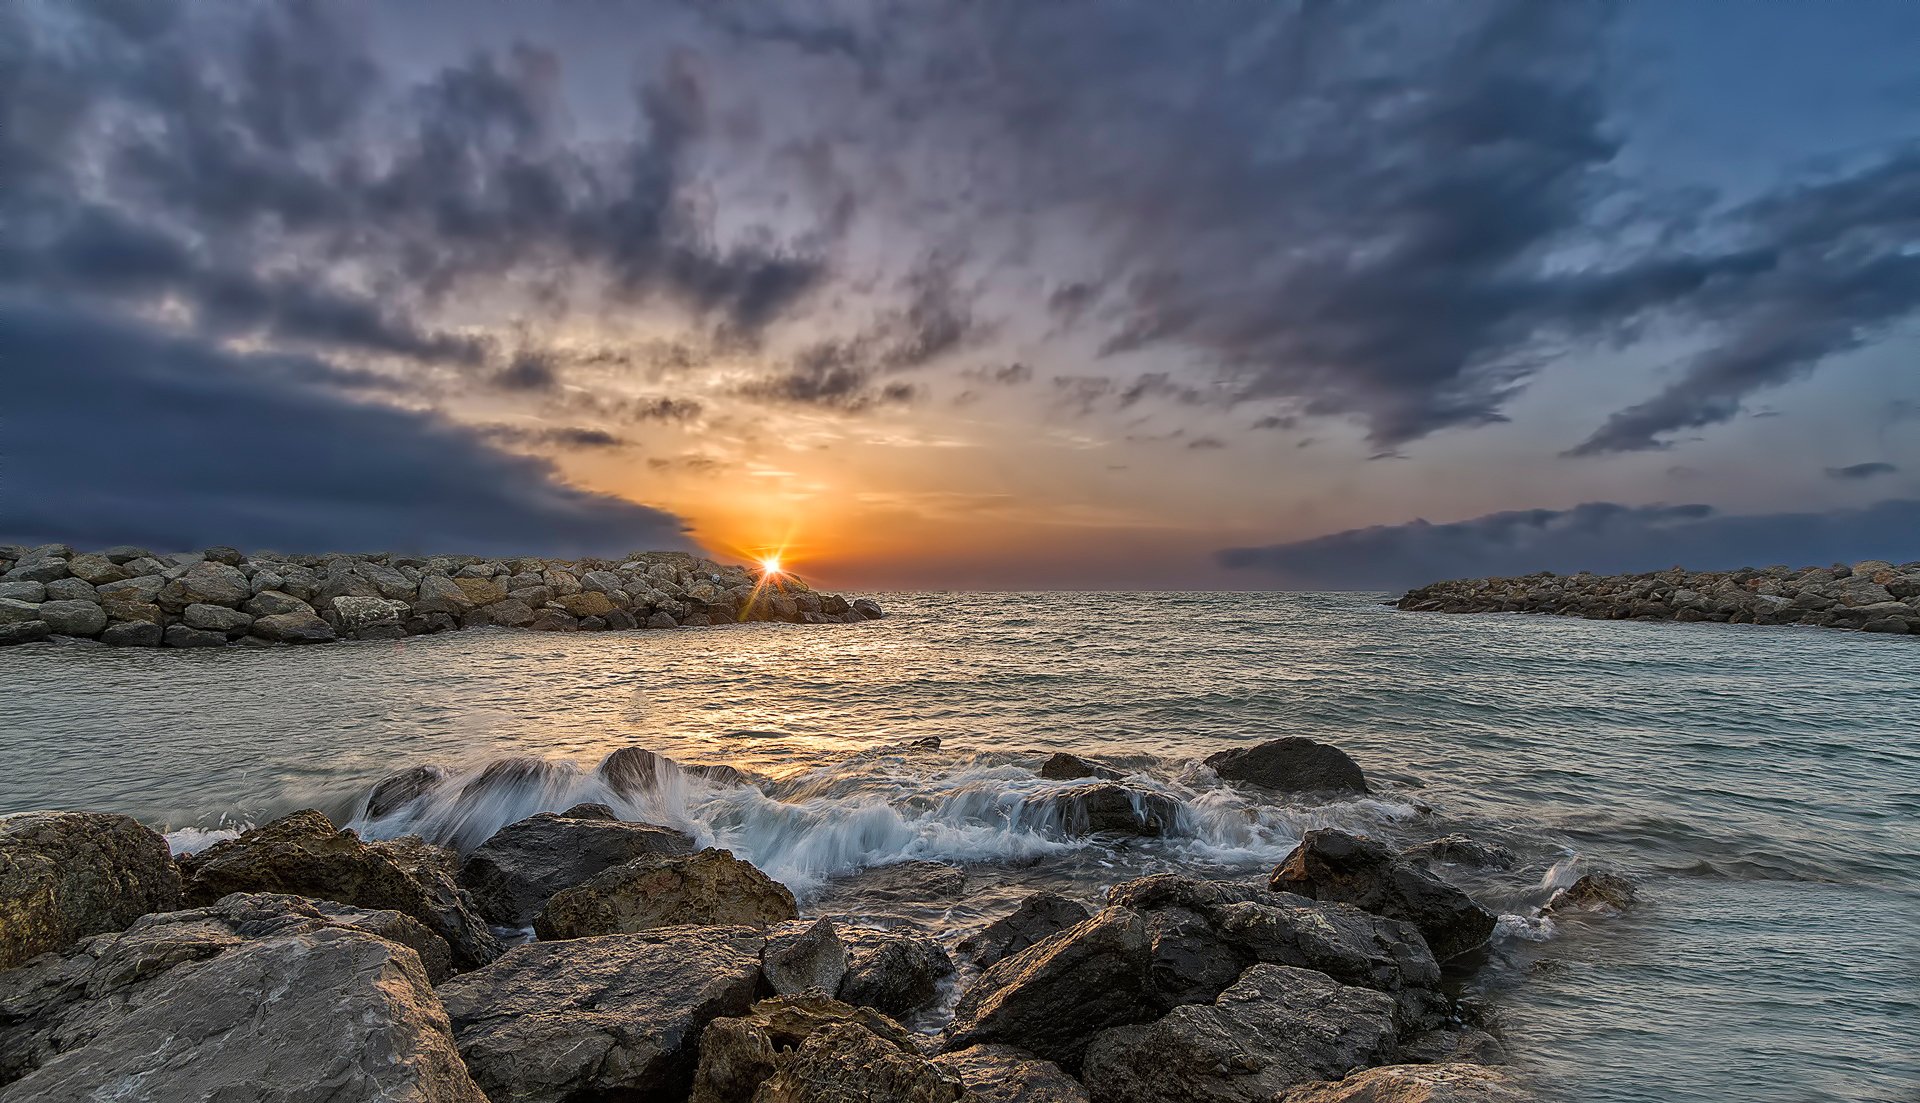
{"x": 1106, "y": 807}
{"x": 1005, "y": 1074}
{"x": 293, "y": 628}
{"x": 1599, "y": 889}
{"x": 205, "y": 583}
{"x": 515, "y": 873}
{"x": 1292, "y": 765}
{"x": 1447, "y": 1045}
{"x": 661, "y": 620}
{"x": 1039, "y": 917}
{"x": 1353, "y": 869}
{"x": 65, "y": 875}
{"x": 303, "y": 855}
{"x": 632, "y": 771}
{"x": 38, "y": 570}
{"x": 1274, "y": 1028}
{"x": 898, "y": 974}
{"x": 73, "y": 617}
{"x": 173, "y": 1009}
{"x": 1052, "y": 998}
{"x": 711, "y": 887}
{"x": 1461, "y": 850}
{"x": 1066, "y": 767}
{"x": 802, "y": 956}
{"x": 1448, "y": 1083}
{"x": 590, "y": 810}
{"x": 397, "y": 790}
{"x": 222, "y": 553}
{"x": 601, "y": 1018}
{"x": 737, "y": 1055}
{"x": 144, "y": 591}
{"x": 133, "y": 633}
{"x": 440, "y": 594}
{"x": 847, "y": 1063}
{"x": 553, "y": 620}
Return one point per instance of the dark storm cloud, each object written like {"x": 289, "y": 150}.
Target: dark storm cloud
{"x": 1861, "y": 470}
{"x": 558, "y": 436}
{"x": 1597, "y": 536}
{"x": 115, "y": 433}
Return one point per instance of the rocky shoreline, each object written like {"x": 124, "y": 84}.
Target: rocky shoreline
{"x": 1870, "y": 596}
{"x": 302, "y": 963}
{"x": 130, "y": 597}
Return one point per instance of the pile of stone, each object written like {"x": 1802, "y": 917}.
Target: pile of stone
{"x": 303, "y": 963}
{"x": 1871, "y": 596}
{"x": 130, "y": 597}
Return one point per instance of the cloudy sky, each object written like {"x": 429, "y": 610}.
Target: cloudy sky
{"x": 969, "y": 294}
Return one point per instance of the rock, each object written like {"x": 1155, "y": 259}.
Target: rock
{"x": 867, "y": 607}
{"x": 23, "y": 631}
{"x": 126, "y": 553}
{"x": 118, "y": 607}
{"x": 661, "y": 620}
{"x": 711, "y": 887}
{"x": 1052, "y": 998}
{"x": 397, "y": 790}
{"x": 1004, "y": 1074}
{"x": 1066, "y": 767}
{"x": 95, "y": 569}
{"x": 1353, "y": 869}
{"x": 303, "y": 855}
{"x": 588, "y": 603}
{"x": 73, "y": 617}
{"x": 737, "y": 1055}
{"x": 1275, "y": 1028}
{"x": 633, "y": 771}
{"x": 218, "y": 618}
{"x": 802, "y": 956}
{"x": 181, "y": 635}
{"x": 38, "y": 570}
{"x": 479, "y": 591}
{"x": 133, "y": 633}
{"x": 1039, "y": 917}
{"x": 270, "y": 603}
{"x": 601, "y": 1018}
{"x": 144, "y": 591}
{"x": 511, "y": 613}
{"x": 1448, "y": 1045}
{"x": 1106, "y": 807}
{"x": 293, "y": 628}
{"x": 15, "y": 611}
{"x": 73, "y": 589}
{"x": 440, "y": 594}
{"x": 590, "y": 810}
{"x": 601, "y": 582}
{"x": 1448, "y": 1083}
{"x": 513, "y": 874}
{"x": 65, "y": 875}
{"x": 553, "y": 620}
{"x": 255, "y": 997}
{"x": 221, "y": 553}
{"x": 898, "y": 974}
{"x": 30, "y": 593}
{"x": 205, "y": 583}
{"x": 1461, "y": 850}
{"x": 367, "y": 618}
{"x": 1291, "y": 765}
{"x": 1599, "y": 889}
{"x": 1894, "y": 625}
{"x": 846, "y": 1063}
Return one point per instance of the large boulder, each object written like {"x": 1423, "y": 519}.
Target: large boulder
{"x": 1109, "y": 808}
{"x": 295, "y": 627}
{"x": 1054, "y": 997}
{"x": 601, "y": 1018}
{"x": 254, "y": 998}
{"x": 513, "y": 874}
{"x": 1353, "y": 869}
{"x": 366, "y": 618}
{"x": 403, "y": 787}
{"x": 1274, "y": 1028}
{"x": 1292, "y": 765}
{"x": 896, "y": 973}
{"x": 205, "y": 583}
{"x": 1039, "y": 917}
{"x": 65, "y": 875}
{"x": 738, "y": 1055}
{"x": 1004, "y": 1074}
{"x": 1444, "y": 1083}
{"x": 303, "y": 855}
{"x": 711, "y": 887}
{"x": 440, "y": 594}
{"x": 73, "y": 617}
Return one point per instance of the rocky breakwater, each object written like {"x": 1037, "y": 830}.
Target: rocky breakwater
{"x": 1871, "y": 596}
{"x": 131, "y": 597}
{"x": 301, "y": 963}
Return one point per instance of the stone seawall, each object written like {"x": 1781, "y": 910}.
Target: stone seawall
{"x": 131, "y": 597}
{"x": 1872, "y": 596}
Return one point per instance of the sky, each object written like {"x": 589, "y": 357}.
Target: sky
{"x": 968, "y": 295}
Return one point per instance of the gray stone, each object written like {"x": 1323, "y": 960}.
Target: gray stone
{"x": 268, "y": 603}
{"x": 604, "y": 582}
{"x": 738, "y": 1055}
{"x": 511, "y": 613}
{"x": 867, "y": 608}
{"x": 31, "y": 592}
{"x": 23, "y": 631}
{"x": 662, "y": 620}
{"x": 1054, "y": 997}
{"x": 126, "y": 553}
{"x": 208, "y": 583}
{"x": 601, "y": 1018}
{"x": 1038, "y": 918}
{"x": 15, "y": 611}
{"x": 293, "y": 628}
{"x": 64, "y": 875}
{"x": 73, "y": 617}
{"x": 144, "y": 590}
{"x": 221, "y": 553}
{"x": 366, "y": 618}
{"x": 38, "y": 570}
{"x": 553, "y": 620}
{"x": 1353, "y": 869}
{"x": 181, "y": 635}
{"x": 217, "y": 618}
{"x": 73, "y": 589}
{"x": 802, "y": 956}
{"x": 1291, "y": 765}
{"x": 95, "y": 569}
{"x": 438, "y": 594}
{"x": 133, "y": 633}
{"x": 118, "y": 607}
{"x": 709, "y": 888}
{"x": 513, "y": 874}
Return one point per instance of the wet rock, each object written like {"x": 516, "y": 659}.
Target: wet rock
{"x": 1447, "y": 1083}
{"x": 133, "y": 633}
{"x": 1275, "y": 1028}
{"x": 182, "y": 635}
{"x": 23, "y": 631}
{"x": 303, "y": 855}
{"x": 1106, "y": 807}
{"x": 1353, "y": 869}
{"x": 1039, "y": 917}
{"x": 633, "y": 771}
{"x": 1460, "y": 850}
{"x": 65, "y": 875}
{"x": 867, "y": 607}
{"x": 205, "y": 583}
{"x": 590, "y": 810}
{"x": 293, "y": 628}
{"x": 173, "y": 1009}
{"x": 601, "y": 1018}
{"x": 896, "y": 973}
{"x": 1066, "y": 767}
{"x": 1598, "y": 889}
{"x": 397, "y": 790}
{"x": 711, "y": 887}
{"x": 1005, "y": 1074}
{"x": 515, "y": 873}
{"x": 900, "y": 882}
{"x": 1292, "y": 765}
{"x": 846, "y": 1063}
{"x": 1053, "y": 997}
{"x": 738, "y": 1055}
{"x": 1438, "y": 1047}
{"x": 802, "y": 956}
{"x": 73, "y": 617}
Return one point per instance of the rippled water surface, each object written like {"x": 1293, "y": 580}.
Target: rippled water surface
{"x": 1761, "y": 785}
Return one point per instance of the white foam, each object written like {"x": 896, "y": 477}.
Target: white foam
{"x": 192, "y": 840}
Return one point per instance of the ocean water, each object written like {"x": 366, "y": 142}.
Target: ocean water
{"x": 1760, "y": 785}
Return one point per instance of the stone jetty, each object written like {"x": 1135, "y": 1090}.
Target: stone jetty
{"x": 1870, "y": 596}
{"x": 131, "y": 597}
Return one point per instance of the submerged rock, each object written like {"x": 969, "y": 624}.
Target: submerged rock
{"x": 1109, "y": 808}
{"x": 711, "y": 887}
{"x": 1353, "y": 869}
{"x": 1292, "y": 765}
{"x": 1599, "y": 889}
{"x": 397, "y": 790}
{"x": 1462, "y": 851}
{"x": 65, "y": 875}
{"x": 1039, "y": 917}
{"x": 1443, "y": 1083}
{"x": 515, "y": 873}
{"x": 1062, "y": 766}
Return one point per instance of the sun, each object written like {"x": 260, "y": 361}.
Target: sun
{"x": 770, "y": 564}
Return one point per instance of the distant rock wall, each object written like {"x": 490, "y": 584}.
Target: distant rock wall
{"x": 130, "y": 597}
{"x": 1872, "y": 596}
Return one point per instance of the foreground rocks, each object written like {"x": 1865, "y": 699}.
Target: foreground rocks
{"x": 129, "y": 597}
{"x": 65, "y": 875}
{"x": 513, "y": 874}
{"x": 1870, "y": 596}
{"x": 709, "y": 888}
{"x": 1352, "y": 869}
{"x": 1441, "y": 1083}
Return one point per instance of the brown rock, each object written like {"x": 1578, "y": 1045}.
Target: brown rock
{"x": 65, "y": 875}
{"x": 711, "y": 887}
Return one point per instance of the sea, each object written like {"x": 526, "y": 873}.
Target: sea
{"x": 1760, "y": 786}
